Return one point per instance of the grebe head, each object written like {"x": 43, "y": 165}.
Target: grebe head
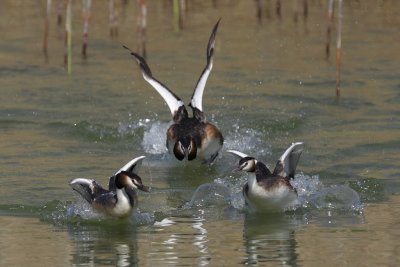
{"x": 247, "y": 164}
{"x": 185, "y": 147}
{"x": 130, "y": 180}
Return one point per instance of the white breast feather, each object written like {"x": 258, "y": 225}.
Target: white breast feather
{"x": 123, "y": 206}
{"x": 276, "y": 199}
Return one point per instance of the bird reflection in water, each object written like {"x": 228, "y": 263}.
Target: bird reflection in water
{"x": 270, "y": 238}
{"x": 105, "y": 243}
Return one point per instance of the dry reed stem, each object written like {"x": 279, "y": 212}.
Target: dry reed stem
{"x": 113, "y": 18}
{"x": 68, "y": 38}
{"x": 339, "y": 46}
{"x": 141, "y": 27}
{"x": 46, "y": 28}
{"x": 60, "y": 11}
{"x": 329, "y": 28}
{"x": 179, "y": 9}
{"x": 278, "y": 8}
{"x": 87, "y": 5}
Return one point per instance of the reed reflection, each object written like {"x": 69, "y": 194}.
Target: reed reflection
{"x": 264, "y": 9}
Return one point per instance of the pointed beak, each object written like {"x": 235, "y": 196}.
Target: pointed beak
{"x": 143, "y": 188}
{"x": 140, "y": 186}
{"x": 236, "y": 169}
{"x": 138, "y": 183}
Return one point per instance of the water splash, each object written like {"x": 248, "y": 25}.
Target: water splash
{"x": 226, "y": 191}
{"x": 330, "y": 205}
{"x": 154, "y": 137}
{"x": 144, "y": 218}
{"x": 61, "y": 213}
{"x": 338, "y": 197}
{"x": 247, "y": 140}
{"x": 306, "y": 185}
{"x": 370, "y": 190}
{"x": 235, "y": 186}
{"x": 312, "y": 195}
{"x": 131, "y": 127}
{"x": 210, "y": 194}
{"x": 80, "y": 212}
{"x": 95, "y": 131}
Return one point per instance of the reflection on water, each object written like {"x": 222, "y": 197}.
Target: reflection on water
{"x": 270, "y": 239}
{"x": 271, "y": 85}
{"x": 189, "y": 234}
{"x": 27, "y": 242}
{"x": 112, "y": 243}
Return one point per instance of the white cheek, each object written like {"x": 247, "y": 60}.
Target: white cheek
{"x": 247, "y": 168}
{"x": 181, "y": 148}
{"x": 131, "y": 183}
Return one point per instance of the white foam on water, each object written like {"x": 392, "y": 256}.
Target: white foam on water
{"x": 337, "y": 197}
{"x": 236, "y": 196}
{"x": 129, "y": 128}
{"x": 312, "y": 194}
{"x": 306, "y": 185}
{"x": 143, "y": 218}
{"x": 210, "y": 194}
{"x": 155, "y": 138}
{"x": 82, "y": 209}
{"x": 248, "y": 141}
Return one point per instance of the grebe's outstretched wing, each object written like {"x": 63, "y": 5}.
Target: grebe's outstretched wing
{"x": 197, "y": 97}
{"x": 237, "y": 153}
{"x": 132, "y": 166}
{"x": 172, "y": 100}
{"x": 287, "y": 163}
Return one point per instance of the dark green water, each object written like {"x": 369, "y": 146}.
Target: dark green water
{"x": 271, "y": 85}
